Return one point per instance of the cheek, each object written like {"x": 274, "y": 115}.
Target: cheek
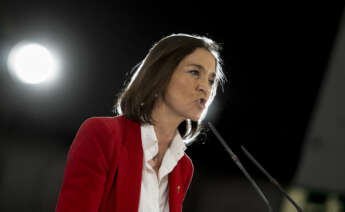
{"x": 180, "y": 91}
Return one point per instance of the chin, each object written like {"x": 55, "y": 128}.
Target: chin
{"x": 199, "y": 116}
{"x": 195, "y": 117}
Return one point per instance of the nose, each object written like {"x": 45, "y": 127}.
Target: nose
{"x": 204, "y": 87}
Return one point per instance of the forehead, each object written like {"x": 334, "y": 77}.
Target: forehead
{"x": 200, "y": 57}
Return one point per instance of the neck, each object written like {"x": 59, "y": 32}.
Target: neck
{"x": 165, "y": 122}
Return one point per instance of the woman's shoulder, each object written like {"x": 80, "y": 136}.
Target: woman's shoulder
{"x": 110, "y": 124}
{"x": 104, "y": 120}
{"x": 104, "y": 124}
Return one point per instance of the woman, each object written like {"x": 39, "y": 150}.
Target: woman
{"x": 136, "y": 161}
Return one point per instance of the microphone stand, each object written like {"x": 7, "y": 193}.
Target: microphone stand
{"x": 238, "y": 163}
{"x": 274, "y": 181}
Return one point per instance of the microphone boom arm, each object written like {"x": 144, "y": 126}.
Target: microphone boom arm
{"x": 239, "y": 164}
{"x": 274, "y": 181}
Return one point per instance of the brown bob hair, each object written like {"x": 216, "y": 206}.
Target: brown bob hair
{"x": 152, "y": 76}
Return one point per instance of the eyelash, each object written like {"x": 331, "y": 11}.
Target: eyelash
{"x": 211, "y": 82}
{"x": 197, "y": 73}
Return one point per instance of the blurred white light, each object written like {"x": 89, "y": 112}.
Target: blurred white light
{"x": 32, "y": 63}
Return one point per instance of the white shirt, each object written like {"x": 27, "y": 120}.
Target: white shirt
{"x": 154, "y": 193}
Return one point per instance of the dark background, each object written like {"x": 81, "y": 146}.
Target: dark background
{"x": 275, "y": 57}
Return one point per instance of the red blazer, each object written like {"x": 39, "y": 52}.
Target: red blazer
{"x": 104, "y": 169}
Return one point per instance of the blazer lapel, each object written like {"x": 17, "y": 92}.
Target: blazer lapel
{"x": 128, "y": 184}
{"x": 176, "y": 189}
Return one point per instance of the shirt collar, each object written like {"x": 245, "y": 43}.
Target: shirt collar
{"x": 150, "y": 143}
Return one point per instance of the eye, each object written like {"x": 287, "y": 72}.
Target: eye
{"x": 211, "y": 82}
{"x": 194, "y": 72}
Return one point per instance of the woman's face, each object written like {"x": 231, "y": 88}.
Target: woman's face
{"x": 190, "y": 85}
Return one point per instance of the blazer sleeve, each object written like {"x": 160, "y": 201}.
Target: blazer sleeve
{"x": 86, "y": 169}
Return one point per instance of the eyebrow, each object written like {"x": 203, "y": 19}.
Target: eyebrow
{"x": 202, "y": 68}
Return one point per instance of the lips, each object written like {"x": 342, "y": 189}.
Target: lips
{"x": 202, "y": 103}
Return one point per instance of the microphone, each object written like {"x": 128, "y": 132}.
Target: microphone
{"x": 239, "y": 164}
